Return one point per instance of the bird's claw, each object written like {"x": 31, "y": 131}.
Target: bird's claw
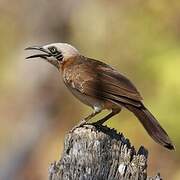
{"x": 98, "y": 123}
{"x": 80, "y": 124}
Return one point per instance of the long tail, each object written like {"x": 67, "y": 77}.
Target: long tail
{"x": 152, "y": 126}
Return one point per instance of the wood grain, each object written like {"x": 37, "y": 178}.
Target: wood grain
{"x": 99, "y": 153}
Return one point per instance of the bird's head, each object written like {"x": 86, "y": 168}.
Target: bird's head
{"x": 56, "y": 53}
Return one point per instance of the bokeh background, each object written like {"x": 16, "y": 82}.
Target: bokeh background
{"x": 139, "y": 38}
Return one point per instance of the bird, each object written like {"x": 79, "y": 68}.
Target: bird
{"x": 100, "y": 86}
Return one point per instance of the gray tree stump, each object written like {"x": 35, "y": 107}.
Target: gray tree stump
{"x": 99, "y": 153}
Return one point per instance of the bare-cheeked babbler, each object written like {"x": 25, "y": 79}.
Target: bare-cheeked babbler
{"x": 100, "y": 86}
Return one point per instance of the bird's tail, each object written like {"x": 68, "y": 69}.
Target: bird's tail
{"x": 152, "y": 126}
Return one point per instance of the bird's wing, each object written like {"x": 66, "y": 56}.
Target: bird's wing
{"x": 99, "y": 80}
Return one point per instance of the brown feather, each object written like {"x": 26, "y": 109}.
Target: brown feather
{"x": 152, "y": 126}
{"x": 98, "y": 80}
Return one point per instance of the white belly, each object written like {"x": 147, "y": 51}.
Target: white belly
{"x": 92, "y": 102}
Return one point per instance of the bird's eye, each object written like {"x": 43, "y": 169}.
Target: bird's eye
{"x": 53, "y": 49}
{"x": 57, "y": 54}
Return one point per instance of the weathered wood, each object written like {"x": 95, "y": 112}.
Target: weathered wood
{"x": 99, "y": 153}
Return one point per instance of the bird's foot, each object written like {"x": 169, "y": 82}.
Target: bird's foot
{"x": 98, "y": 123}
{"x": 80, "y": 124}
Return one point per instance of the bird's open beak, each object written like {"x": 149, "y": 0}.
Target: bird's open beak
{"x": 43, "y": 55}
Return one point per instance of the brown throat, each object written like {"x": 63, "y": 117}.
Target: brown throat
{"x": 68, "y": 62}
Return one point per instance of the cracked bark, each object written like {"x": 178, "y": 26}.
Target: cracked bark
{"x": 100, "y": 153}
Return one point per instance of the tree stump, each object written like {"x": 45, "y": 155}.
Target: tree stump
{"x": 99, "y": 153}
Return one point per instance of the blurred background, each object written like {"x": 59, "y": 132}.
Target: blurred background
{"x": 139, "y": 38}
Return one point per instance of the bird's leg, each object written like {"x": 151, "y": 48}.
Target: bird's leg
{"x": 86, "y": 119}
{"x": 103, "y": 120}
